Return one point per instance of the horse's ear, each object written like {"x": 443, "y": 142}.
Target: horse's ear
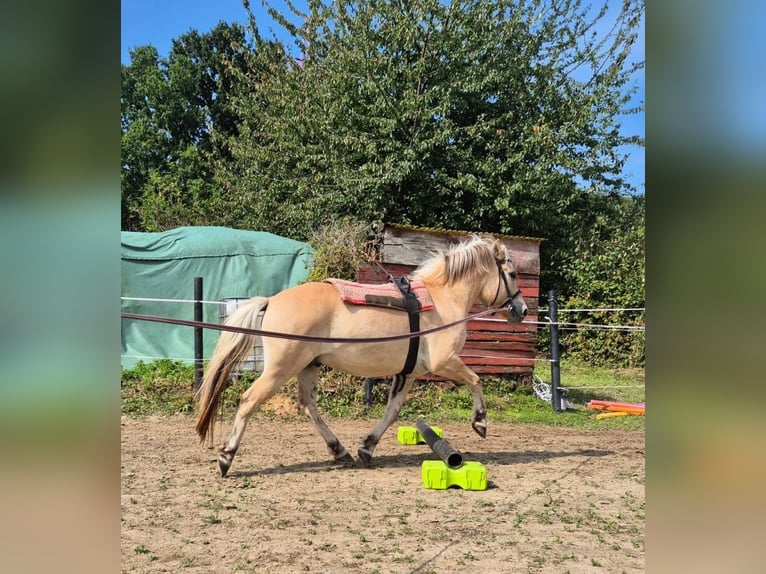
{"x": 499, "y": 249}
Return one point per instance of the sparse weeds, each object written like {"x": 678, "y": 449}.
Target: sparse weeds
{"x": 212, "y": 518}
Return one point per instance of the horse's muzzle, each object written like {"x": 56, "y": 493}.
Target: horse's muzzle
{"x": 517, "y": 310}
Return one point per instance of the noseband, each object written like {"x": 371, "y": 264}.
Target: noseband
{"x": 507, "y": 302}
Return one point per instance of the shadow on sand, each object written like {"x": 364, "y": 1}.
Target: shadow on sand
{"x": 415, "y": 460}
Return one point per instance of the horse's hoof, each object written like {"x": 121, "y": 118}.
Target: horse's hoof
{"x": 480, "y": 428}
{"x": 225, "y": 459}
{"x": 346, "y": 458}
{"x": 365, "y": 457}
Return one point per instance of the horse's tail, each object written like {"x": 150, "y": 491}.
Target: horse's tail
{"x": 231, "y": 349}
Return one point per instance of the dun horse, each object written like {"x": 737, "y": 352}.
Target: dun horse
{"x": 475, "y": 271}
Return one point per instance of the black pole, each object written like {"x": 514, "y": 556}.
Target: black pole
{"x": 198, "y": 350}
{"x": 368, "y": 382}
{"x": 440, "y": 446}
{"x": 553, "y": 314}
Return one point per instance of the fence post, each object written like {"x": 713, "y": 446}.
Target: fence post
{"x": 198, "y": 350}
{"x": 553, "y": 315}
{"x": 368, "y": 382}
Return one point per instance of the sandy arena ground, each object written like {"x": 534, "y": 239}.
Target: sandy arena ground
{"x": 559, "y": 500}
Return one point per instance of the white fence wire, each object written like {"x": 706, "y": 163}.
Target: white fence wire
{"x": 565, "y": 326}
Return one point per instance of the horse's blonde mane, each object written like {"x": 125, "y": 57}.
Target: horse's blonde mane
{"x": 472, "y": 257}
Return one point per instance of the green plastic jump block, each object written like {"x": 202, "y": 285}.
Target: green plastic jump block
{"x": 438, "y": 476}
{"x": 411, "y": 435}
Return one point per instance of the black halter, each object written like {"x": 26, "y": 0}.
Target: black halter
{"x": 500, "y": 272}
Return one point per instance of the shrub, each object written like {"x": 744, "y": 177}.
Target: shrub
{"x": 339, "y": 249}
{"x": 608, "y": 270}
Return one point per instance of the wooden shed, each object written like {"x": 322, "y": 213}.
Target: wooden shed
{"x": 493, "y": 347}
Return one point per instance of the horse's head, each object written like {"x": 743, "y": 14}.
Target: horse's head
{"x": 482, "y": 260}
{"x": 508, "y": 293}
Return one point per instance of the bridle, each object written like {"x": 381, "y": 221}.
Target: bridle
{"x": 507, "y": 302}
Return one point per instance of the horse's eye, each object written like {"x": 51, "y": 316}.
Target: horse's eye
{"x": 513, "y": 275}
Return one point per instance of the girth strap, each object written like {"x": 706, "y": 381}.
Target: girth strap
{"x": 412, "y": 306}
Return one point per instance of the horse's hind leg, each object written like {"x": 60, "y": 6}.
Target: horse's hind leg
{"x": 400, "y": 386}
{"x": 258, "y": 393}
{"x": 307, "y": 400}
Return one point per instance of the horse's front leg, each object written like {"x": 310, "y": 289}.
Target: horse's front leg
{"x": 455, "y": 370}
{"x": 400, "y": 386}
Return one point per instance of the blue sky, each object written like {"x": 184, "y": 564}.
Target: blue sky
{"x": 157, "y": 22}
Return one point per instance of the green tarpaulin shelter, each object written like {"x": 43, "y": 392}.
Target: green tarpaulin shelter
{"x": 233, "y": 264}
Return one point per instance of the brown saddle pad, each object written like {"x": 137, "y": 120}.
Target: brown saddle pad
{"x": 379, "y": 295}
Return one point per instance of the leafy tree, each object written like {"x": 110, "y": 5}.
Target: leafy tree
{"x": 176, "y": 117}
{"x": 500, "y": 116}
{"x": 143, "y": 145}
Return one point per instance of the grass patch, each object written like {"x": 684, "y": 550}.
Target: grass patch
{"x": 161, "y": 386}
{"x": 586, "y": 382}
{"x": 166, "y": 387}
